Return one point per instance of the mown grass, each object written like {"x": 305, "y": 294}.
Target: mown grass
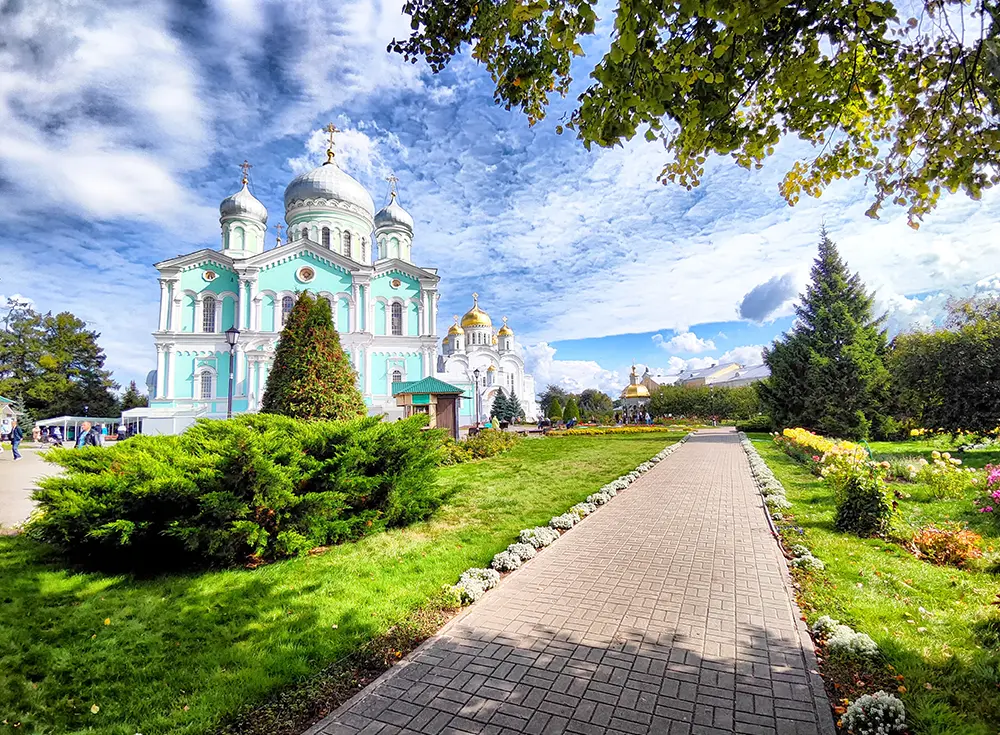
{"x": 935, "y": 625}
{"x": 184, "y": 653}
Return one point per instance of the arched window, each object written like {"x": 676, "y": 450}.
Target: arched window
{"x": 326, "y": 237}
{"x": 397, "y": 318}
{"x": 286, "y": 308}
{"x": 303, "y": 233}
{"x": 347, "y": 244}
{"x": 397, "y": 376}
{"x": 206, "y": 384}
{"x": 208, "y": 314}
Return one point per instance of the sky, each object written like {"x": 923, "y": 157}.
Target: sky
{"x": 123, "y": 124}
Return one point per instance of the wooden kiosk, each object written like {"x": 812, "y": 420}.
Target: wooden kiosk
{"x": 437, "y": 399}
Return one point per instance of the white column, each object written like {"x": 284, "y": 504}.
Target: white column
{"x": 161, "y": 371}
{"x": 240, "y": 388}
{"x": 254, "y": 307}
{"x": 171, "y": 378}
{"x": 176, "y": 298}
{"x": 164, "y": 304}
{"x": 355, "y": 321}
{"x": 368, "y": 371}
{"x": 432, "y": 328}
{"x": 422, "y": 313}
{"x": 371, "y": 313}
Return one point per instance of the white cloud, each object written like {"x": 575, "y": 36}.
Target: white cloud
{"x": 572, "y": 375}
{"x": 683, "y": 342}
{"x": 745, "y": 355}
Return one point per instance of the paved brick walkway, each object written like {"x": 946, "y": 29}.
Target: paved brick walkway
{"x": 668, "y": 611}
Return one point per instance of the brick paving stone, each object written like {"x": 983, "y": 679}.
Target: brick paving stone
{"x": 667, "y": 611}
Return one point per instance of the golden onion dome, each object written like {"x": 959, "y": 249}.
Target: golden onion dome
{"x": 455, "y": 329}
{"x": 476, "y": 317}
{"x": 635, "y": 391}
{"x": 505, "y": 331}
{"x": 491, "y": 369}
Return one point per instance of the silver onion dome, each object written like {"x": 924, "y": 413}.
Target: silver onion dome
{"x": 393, "y": 215}
{"x": 329, "y": 181}
{"x": 244, "y": 205}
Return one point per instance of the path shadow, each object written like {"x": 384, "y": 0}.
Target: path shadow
{"x": 543, "y": 680}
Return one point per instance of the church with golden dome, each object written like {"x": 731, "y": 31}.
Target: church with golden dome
{"x": 485, "y": 359}
{"x": 337, "y": 246}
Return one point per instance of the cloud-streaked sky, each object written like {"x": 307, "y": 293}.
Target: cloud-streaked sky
{"x": 122, "y": 125}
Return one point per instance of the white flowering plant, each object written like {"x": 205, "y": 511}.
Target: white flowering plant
{"x": 522, "y": 551}
{"x": 846, "y": 643}
{"x": 564, "y": 522}
{"x": 505, "y": 561}
{"x": 599, "y": 498}
{"x": 539, "y": 537}
{"x": 809, "y": 563}
{"x": 824, "y": 626}
{"x": 875, "y": 714}
{"x": 583, "y": 509}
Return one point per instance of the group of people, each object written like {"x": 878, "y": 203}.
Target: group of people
{"x": 88, "y": 436}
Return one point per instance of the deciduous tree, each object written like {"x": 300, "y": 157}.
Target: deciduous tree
{"x": 906, "y": 95}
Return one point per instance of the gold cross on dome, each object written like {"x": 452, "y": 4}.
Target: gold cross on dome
{"x": 391, "y": 178}
{"x": 330, "y": 130}
{"x": 245, "y": 168}
{"x": 279, "y": 227}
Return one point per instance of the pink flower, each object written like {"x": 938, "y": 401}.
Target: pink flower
{"x": 815, "y": 458}
{"x": 987, "y": 509}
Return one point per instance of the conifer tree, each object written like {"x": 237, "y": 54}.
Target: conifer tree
{"x": 24, "y": 418}
{"x": 132, "y": 398}
{"x": 515, "y": 412}
{"x": 500, "y": 408}
{"x": 571, "y": 410}
{"x": 555, "y": 410}
{"x": 827, "y": 373}
{"x": 312, "y": 377}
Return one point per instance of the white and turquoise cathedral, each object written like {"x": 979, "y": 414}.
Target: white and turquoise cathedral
{"x": 339, "y": 248}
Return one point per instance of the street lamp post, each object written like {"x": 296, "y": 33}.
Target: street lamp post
{"x": 475, "y": 374}
{"x": 232, "y": 339}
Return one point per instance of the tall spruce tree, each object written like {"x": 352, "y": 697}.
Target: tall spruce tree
{"x": 499, "y": 408}
{"x": 827, "y": 373}
{"x": 312, "y": 377}
{"x": 515, "y": 411}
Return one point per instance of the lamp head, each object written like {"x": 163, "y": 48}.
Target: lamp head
{"x": 232, "y": 336}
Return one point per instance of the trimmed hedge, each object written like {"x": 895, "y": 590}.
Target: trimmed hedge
{"x": 250, "y": 489}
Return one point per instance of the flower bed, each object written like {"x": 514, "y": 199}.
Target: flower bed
{"x": 601, "y": 430}
{"x": 475, "y": 582}
{"x": 878, "y": 713}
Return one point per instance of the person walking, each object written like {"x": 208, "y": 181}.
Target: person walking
{"x": 89, "y": 436}
{"x": 36, "y": 434}
{"x": 16, "y": 435}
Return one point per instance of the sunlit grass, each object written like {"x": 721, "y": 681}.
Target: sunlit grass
{"x": 179, "y": 654}
{"x": 935, "y": 624}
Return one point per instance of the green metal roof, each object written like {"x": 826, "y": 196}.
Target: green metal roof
{"x": 5, "y": 400}
{"x": 427, "y": 385}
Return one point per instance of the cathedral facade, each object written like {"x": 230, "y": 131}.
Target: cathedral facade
{"x": 339, "y": 248}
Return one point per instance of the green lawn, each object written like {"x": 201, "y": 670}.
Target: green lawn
{"x": 180, "y": 654}
{"x": 934, "y": 624}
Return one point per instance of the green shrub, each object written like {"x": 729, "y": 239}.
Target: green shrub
{"x": 864, "y": 504}
{"x": 486, "y": 443}
{"x": 759, "y": 424}
{"x": 254, "y": 488}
